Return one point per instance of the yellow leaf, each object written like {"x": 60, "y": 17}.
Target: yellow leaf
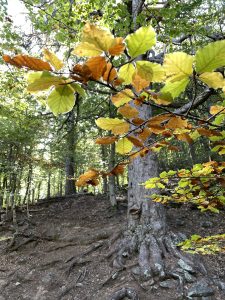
{"x": 122, "y": 97}
{"x": 106, "y": 140}
{"x": 86, "y": 49}
{"x": 178, "y": 66}
{"x": 29, "y": 62}
{"x": 217, "y": 109}
{"x": 126, "y": 73}
{"x": 94, "y": 41}
{"x": 123, "y": 146}
{"x": 213, "y": 79}
{"x": 116, "y": 125}
{"x": 53, "y": 59}
{"x": 139, "y": 83}
{"x": 128, "y": 112}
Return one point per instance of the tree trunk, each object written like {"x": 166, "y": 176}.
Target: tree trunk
{"x": 147, "y": 235}
{"x": 49, "y": 185}
{"x": 112, "y": 183}
{"x": 72, "y": 121}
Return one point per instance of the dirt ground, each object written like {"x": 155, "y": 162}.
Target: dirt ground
{"x": 62, "y": 252}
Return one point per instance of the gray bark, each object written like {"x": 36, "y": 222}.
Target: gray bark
{"x": 141, "y": 209}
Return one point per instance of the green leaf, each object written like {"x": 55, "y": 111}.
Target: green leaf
{"x": 61, "y": 99}
{"x": 126, "y": 73}
{"x": 150, "y": 71}
{"x": 40, "y": 81}
{"x": 140, "y": 41}
{"x": 77, "y": 88}
{"x": 210, "y": 57}
{"x": 174, "y": 89}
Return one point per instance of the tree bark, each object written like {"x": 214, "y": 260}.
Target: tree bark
{"x": 71, "y": 124}
{"x": 112, "y": 183}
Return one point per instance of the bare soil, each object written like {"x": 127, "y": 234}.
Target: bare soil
{"x": 62, "y": 251}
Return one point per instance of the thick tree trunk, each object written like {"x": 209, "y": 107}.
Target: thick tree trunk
{"x": 147, "y": 237}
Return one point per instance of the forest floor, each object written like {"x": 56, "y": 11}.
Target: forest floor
{"x": 62, "y": 250}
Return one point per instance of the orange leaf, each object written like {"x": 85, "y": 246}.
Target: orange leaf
{"x": 106, "y": 140}
{"x": 145, "y": 133}
{"x": 82, "y": 73}
{"x": 128, "y": 112}
{"x": 136, "y": 142}
{"x": 176, "y": 122}
{"x": 110, "y": 73}
{"x": 139, "y": 83}
{"x": 119, "y": 169}
{"x": 93, "y": 182}
{"x": 97, "y": 66}
{"x": 118, "y": 47}
{"x": 28, "y": 62}
{"x": 88, "y": 177}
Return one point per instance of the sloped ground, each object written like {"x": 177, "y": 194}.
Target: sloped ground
{"x": 63, "y": 249}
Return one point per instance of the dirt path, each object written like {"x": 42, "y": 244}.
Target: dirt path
{"x": 62, "y": 252}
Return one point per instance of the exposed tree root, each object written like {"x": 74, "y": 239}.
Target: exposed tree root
{"x": 77, "y": 260}
{"x": 125, "y": 292}
{"x": 158, "y": 260}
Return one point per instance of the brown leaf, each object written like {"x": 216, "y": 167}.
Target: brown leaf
{"x": 138, "y": 121}
{"x": 176, "y": 122}
{"x": 144, "y": 134}
{"x": 128, "y": 112}
{"x": 29, "y": 62}
{"x": 139, "y": 83}
{"x": 136, "y": 142}
{"x": 106, "y": 140}
{"x": 184, "y": 137}
{"x": 82, "y": 73}
{"x": 208, "y": 132}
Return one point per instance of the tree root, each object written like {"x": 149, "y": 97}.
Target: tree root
{"x": 125, "y": 292}
{"x": 158, "y": 260}
{"x": 77, "y": 260}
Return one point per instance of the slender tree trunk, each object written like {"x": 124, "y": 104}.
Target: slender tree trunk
{"x": 69, "y": 163}
{"x": 49, "y": 185}
{"x": 112, "y": 183}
